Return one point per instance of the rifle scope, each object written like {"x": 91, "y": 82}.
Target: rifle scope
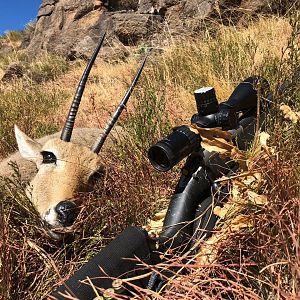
{"x": 169, "y": 151}
{"x": 184, "y": 140}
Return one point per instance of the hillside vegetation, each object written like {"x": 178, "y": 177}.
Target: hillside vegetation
{"x": 256, "y": 262}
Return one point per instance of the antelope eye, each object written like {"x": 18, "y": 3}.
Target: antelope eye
{"x": 48, "y": 157}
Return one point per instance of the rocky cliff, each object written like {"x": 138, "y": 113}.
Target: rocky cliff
{"x": 72, "y": 27}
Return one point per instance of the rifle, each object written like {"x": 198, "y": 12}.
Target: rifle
{"x": 190, "y": 213}
{"x": 238, "y": 115}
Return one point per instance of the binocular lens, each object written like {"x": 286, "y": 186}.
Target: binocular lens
{"x": 168, "y": 152}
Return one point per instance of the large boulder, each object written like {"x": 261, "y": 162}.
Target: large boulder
{"x": 73, "y": 27}
{"x": 63, "y": 24}
{"x": 12, "y": 72}
{"x": 130, "y": 28}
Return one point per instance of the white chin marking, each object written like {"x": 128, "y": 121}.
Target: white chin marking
{"x": 50, "y": 218}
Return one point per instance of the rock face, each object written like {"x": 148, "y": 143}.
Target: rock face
{"x": 72, "y": 27}
{"x": 5, "y": 49}
{"x": 132, "y": 27}
{"x": 63, "y": 24}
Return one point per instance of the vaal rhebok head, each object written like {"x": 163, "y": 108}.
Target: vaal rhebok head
{"x": 65, "y": 168}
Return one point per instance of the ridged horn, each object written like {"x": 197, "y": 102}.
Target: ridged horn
{"x": 69, "y": 124}
{"x": 99, "y": 143}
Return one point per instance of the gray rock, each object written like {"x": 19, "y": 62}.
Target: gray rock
{"x": 45, "y": 11}
{"x": 72, "y": 27}
{"x": 131, "y": 28}
{"x": 5, "y": 49}
{"x": 148, "y": 7}
{"x": 12, "y": 72}
{"x": 117, "y": 5}
{"x": 46, "y": 8}
{"x": 83, "y": 10}
{"x": 48, "y": 2}
{"x": 82, "y": 49}
{"x": 169, "y": 3}
{"x": 115, "y": 52}
{"x": 196, "y": 8}
{"x": 28, "y": 34}
{"x": 71, "y": 22}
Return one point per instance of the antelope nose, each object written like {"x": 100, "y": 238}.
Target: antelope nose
{"x": 66, "y": 212}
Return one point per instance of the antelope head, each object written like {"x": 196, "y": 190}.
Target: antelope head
{"x": 66, "y": 168}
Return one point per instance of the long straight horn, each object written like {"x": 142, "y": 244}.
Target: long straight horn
{"x": 69, "y": 124}
{"x": 98, "y": 145}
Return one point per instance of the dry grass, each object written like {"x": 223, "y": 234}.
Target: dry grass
{"x": 261, "y": 263}
{"x": 12, "y": 39}
{"x": 31, "y": 264}
{"x": 219, "y": 59}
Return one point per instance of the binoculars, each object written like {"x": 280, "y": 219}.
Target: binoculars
{"x": 210, "y": 114}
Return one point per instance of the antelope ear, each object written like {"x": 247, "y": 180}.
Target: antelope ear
{"x": 29, "y": 148}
